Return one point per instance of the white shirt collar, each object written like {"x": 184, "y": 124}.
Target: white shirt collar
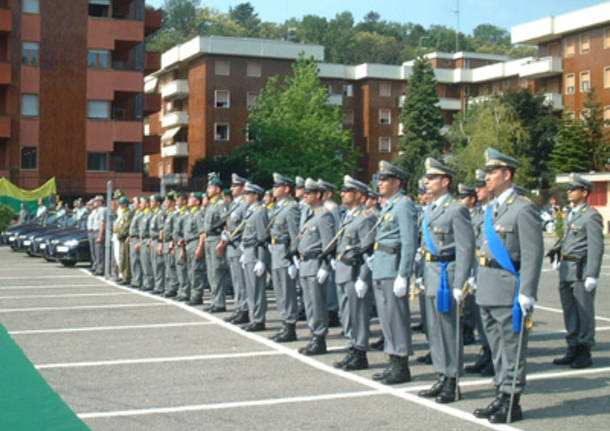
{"x": 504, "y": 196}
{"x": 439, "y": 201}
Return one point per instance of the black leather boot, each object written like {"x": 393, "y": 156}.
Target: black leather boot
{"x": 435, "y": 389}
{"x": 358, "y": 361}
{"x": 399, "y": 370}
{"x": 333, "y": 319}
{"x": 382, "y": 375}
{"x": 340, "y": 364}
{"x": 447, "y": 394}
{"x": 288, "y": 334}
{"x": 570, "y": 355}
{"x": 316, "y": 347}
{"x": 241, "y": 317}
{"x": 501, "y": 415}
{"x": 494, "y": 406}
{"x": 481, "y": 362}
{"x": 378, "y": 345}
{"x": 583, "y": 357}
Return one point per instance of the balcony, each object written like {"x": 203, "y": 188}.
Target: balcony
{"x": 5, "y": 73}
{"x": 6, "y": 20}
{"x": 178, "y": 149}
{"x": 335, "y": 99}
{"x": 175, "y": 119}
{"x": 129, "y": 182}
{"x": 175, "y": 179}
{"x": 554, "y": 100}
{"x": 5, "y": 126}
{"x": 102, "y": 32}
{"x": 102, "y": 134}
{"x": 102, "y": 84}
{"x": 152, "y": 21}
{"x": 152, "y": 103}
{"x": 541, "y": 67}
{"x": 151, "y": 144}
{"x": 152, "y": 62}
{"x": 177, "y": 89}
{"x": 450, "y": 104}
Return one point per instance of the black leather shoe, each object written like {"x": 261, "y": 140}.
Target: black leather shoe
{"x": 468, "y": 335}
{"x": 583, "y": 358}
{"x": 425, "y": 359}
{"x": 195, "y": 302}
{"x": 380, "y": 376}
{"x": 340, "y": 364}
{"x": 316, "y": 347}
{"x": 231, "y": 318}
{"x": 501, "y": 415}
{"x": 481, "y": 362}
{"x": 399, "y": 370}
{"x": 571, "y": 354}
{"x": 435, "y": 389}
{"x": 170, "y": 294}
{"x": 333, "y": 319}
{"x": 287, "y": 335}
{"x": 358, "y": 361}
{"x": 448, "y": 393}
{"x": 378, "y": 345}
{"x": 241, "y": 317}
{"x": 254, "y": 327}
{"x": 488, "y": 371}
{"x": 215, "y": 309}
{"x": 158, "y": 291}
{"x": 182, "y": 298}
{"x": 494, "y": 406}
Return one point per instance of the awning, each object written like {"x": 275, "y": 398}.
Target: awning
{"x": 169, "y": 134}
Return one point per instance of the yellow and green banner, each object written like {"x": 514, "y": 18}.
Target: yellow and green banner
{"x": 14, "y": 196}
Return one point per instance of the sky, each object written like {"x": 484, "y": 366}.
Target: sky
{"x": 501, "y": 13}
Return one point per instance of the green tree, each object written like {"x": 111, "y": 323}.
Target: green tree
{"x": 224, "y": 165}
{"x": 597, "y": 140}
{"x": 243, "y": 14}
{"x": 178, "y": 25}
{"x": 571, "y": 152}
{"x": 422, "y": 120}
{"x": 296, "y": 130}
{"x": 491, "y": 33}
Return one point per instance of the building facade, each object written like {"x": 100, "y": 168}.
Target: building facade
{"x": 71, "y": 92}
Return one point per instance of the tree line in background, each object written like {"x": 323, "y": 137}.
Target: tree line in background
{"x": 346, "y": 41}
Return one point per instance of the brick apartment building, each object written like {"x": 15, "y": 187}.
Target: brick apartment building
{"x": 71, "y": 92}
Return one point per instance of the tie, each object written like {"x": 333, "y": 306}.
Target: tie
{"x": 496, "y": 206}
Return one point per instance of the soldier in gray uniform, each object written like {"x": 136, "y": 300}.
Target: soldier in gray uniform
{"x": 580, "y": 258}
{"x": 448, "y": 239}
{"x": 283, "y": 229}
{"x": 134, "y": 238}
{"x": 171, "y": 278}
{"x": 91, "y": 235}
{"x": 157, "y": 220}
{"x": 230, "y": 240}
{"x": 192, "y": 227}
{"x": 483, "y": 364}
{"x": 315, "y": 233}
{"x": 177, "y": 246}
{"x": 99, "y": 233}
{"x": 418, "y": 285}
{"x": 143, "y": 246}
{"x": 213, "y": 225}
{"x": 392, "y": 265}
{"x": 354, "y": 238}
{"x": 507, "y": 282}
{"x": 253, "y": 242}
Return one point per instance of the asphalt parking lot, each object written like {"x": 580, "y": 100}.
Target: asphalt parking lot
{"x": 123, "y": 359}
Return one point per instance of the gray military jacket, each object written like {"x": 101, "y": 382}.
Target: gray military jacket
{"x": 354, "y": 240}
{"x": 314, "y": 235}
{"x": 237, "y": 212}
{"x": 284, "y": 230}
{"x": 145, "y": 223}
{"x": 451, "y": 232}
{"x": 518, "y": 225}
{"x": 255, "y": 233}
{"x": 178, "y": 223}
{"x": 191, "y": 229}
{"x": 582, "y": 245}
{"x": 157, "y": 221}
{"x": 168, "y": 225}
{"x": 214, "y": 213}
{"x": 134, "y": 227}
{"x": 395, "y": 238}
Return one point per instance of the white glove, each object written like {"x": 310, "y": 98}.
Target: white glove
{"x": 322, "y": 275}
{"x": 472, "y": 283}
{"x": 369, "y": 261}
{"x": 292, "y": 272}
{"x": 224, "y": 235}
{"x": 242, "y": 260}
{"x": 295, "y": 260}
{"x": 526, "y": 303}
{"x": 556, "y": 264}
{"x": 259, "y": 268}
{"x": 420, "y": 284}
{"x": 590, "y": 284}
{"x": 333, "y": 264}
{"x": 400, "y": 286}
{"x": 458, "y": 295}
{"x": 361, "y": 287}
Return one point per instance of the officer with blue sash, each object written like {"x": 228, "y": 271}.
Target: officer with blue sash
{"x": 449, "y": 244}
{"x": 509, "y": 271}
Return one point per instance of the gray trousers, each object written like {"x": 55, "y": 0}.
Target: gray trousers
{"x": 147, "y": 268}
{"x": 91, "y": 236}
{"x": 134, "y": 260}
{"x": 196, "y": 272}
{"x": 239, "y": 283}
{"x": 332, "y": 294}
{"x": 503, "y": 342}
{"x": 316, "y": 307}
{"x": 394, "y": 318}
{"x": 217, "y": 272}
{"x": 171, "y": 277}
{"x": 255, "y": 290}
{"x": 355, "y": 315}
{"x": 285, "y": 289}
{"x": 158, "y": 264}
{"x": 184, "y": 284}
{"x": 100, "y": 255}
{"x": 442, "y": 331}
{"x": 578, "y": 312}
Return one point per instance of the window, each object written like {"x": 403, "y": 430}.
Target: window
{"x": 222, "y": 67}
{"x": 466, "y": 63}
{"x": 385, "y": 144}
{"x": 385, "y": 116}
{"x": 607, "y": 38}
{"x": 585, "y": 81}
{"x": 349, "y": 118}
{"x": 348, "y": 90}
{"x": 607, "y": 77}
{"x": 31, "y": 6}
{"x": 599, "y": 194}
{"x": 570, "y": 49}
{"x": 30, "y": 53}
{"x": 251, "y": 99}
{"x": 253, "y": 69}
{"x": 221, "y": 131}
{"x": 221, "y": 98}
{"x": 29, "y": 105}
{"x": 585, "y": 44}
{"x": 584, "y": 115}
{"x": 98, "y": 109}
{"x": 570, "y": 85}
{"x": 99, "y": 8}
{"x": 97, "y": 161}
{"x": 385, "y": 89}
{"x": 401, "y": 100}
{"x": 29, "y": 157}
{"x": 98, "y": 58}
{"x": 401, "y": 129}
{"x": 607, "y": 116}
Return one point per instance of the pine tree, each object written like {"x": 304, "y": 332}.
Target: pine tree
{"x": 572, "y": 152}
{"x": 422, "y": 120}
{"x": 597, "y": 140}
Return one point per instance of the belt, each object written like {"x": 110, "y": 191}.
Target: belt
{"x": 354, "y": 261}
{"x": 309, "y": 255}
{"x": 190, "y": 240}
{"x": 250, "y": 244}
{"x": 279, "y": 241}
{"x": 439, "y": 258}
{"x": 386, "y": 248}
{"x": 576, "y": 259}
{"x": 492, "y": 263}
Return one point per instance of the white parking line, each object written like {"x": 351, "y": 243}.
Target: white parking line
{"x": 108, "y": 328}
{"x": 31, "y": 277}
{"x": 228, "y": 405}
{"x": 560, "y": 311}
{"x": 66, "y": 295}
{"x": 156, "y": 360}
{"x": 48, "y": 286}
{"x": 82, "y": 307}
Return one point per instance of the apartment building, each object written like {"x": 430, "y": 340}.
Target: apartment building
{"x": 71, "y": 92}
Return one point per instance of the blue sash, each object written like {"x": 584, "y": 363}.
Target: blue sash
{"x": 443, "y": 298}
{"x": 502, "y": 256}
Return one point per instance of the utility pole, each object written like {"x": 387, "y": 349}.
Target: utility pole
{"x": 457, "y": 29}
